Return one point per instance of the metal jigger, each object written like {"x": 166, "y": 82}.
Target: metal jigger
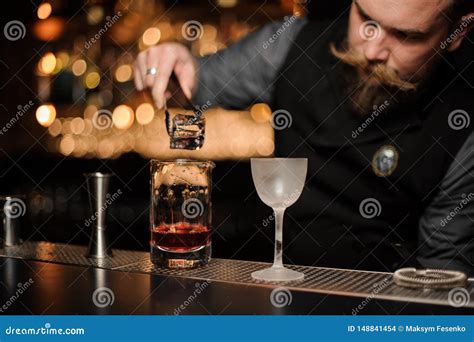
{"x": 98, "y": 186}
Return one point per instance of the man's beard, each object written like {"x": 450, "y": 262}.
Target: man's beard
{"x": 379, "y": 83}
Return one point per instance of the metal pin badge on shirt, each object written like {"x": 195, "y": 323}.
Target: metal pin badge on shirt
{"x": 385, "y": 160}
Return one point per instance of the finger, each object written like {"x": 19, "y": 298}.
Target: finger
{"x": 185, "y": 72}
{"x": 161, "y": 80}
{"x": 141, "y": 65}
{"x": 152, "y": 61}
{"x": 137, "y": 78}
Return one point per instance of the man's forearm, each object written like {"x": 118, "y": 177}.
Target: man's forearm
{"x": 244, "y": 72}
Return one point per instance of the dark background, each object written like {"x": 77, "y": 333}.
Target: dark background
{"x": 27, "y": 167}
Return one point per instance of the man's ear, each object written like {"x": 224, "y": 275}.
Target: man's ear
{"x": 461, "y": 29}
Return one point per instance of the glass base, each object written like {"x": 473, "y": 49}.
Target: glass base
{"x": 177, "y": 259}
{"x": 277, "y": 273}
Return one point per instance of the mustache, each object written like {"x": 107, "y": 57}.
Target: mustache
{"x": 377, "y": 72}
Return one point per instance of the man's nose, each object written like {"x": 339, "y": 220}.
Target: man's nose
{"x": 376, "y": 51}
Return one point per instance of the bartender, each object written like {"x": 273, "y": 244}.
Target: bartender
{"x": 373, "y": 99}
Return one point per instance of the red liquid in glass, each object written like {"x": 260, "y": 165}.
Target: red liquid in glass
{"x": 181, "y": 236}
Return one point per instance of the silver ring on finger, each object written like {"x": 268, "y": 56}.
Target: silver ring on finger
{"x": 151, "y": 71}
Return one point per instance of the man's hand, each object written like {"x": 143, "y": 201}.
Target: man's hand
{"x": 166, "y": 58}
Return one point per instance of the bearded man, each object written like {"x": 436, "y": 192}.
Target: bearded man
{"x": 375, "y": 102}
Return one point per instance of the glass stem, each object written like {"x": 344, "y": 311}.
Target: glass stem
{"x": 278, "y": 260}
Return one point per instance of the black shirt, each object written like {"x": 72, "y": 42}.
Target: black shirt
{"x": 247, "y": 72}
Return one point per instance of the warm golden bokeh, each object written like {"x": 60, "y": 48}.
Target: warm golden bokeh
{"x": 124, "y": 73}
{"x": 45, "y": 115}
{"x": 79, "y": 67}
{"x": 77, "y": 126}
{"x": 94, "y": 71}
{"x": 44, "y": 10}
{"x": 145, "y": 113}
{"x": 229, "y": 135}
{"x": 151, "y": 36}
{"x": 123, "y": 117}
{"x": 47, "y": 63}
{"x": 92, "y": 80}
